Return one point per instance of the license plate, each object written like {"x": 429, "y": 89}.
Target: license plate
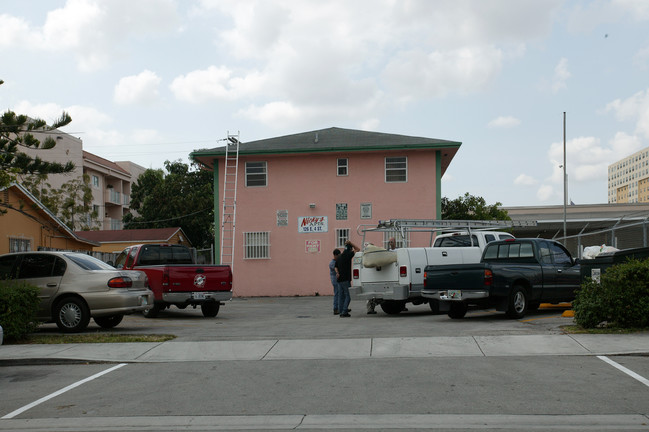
{"x": 198, "y": 296}
{"x": 454, "y": 294}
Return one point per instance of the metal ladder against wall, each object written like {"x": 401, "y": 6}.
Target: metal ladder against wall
{"x": 229, "y": 212}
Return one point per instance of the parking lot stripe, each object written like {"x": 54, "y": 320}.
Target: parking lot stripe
{"x": 629, "y": 372}
{"x": 59, "y": 392}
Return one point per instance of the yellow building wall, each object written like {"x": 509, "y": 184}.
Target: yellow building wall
{"x": 27, "y": 222}
{"x": 623, "y": 194}
{"x": 643, "y": 190}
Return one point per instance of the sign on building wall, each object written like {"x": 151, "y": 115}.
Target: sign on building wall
{"x": 366, "y": 210}
{"x": 341, "y": 211}
{"x": 282, "y": 217}
{"x": 312, "y": 224}
{"x": 312, "y": 246}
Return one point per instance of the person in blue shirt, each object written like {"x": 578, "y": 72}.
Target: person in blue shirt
{"x": 333, "y": 276}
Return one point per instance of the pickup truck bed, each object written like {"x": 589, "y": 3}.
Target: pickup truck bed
{"x": 176, "y": 280}
{"x": 514, "y": 276}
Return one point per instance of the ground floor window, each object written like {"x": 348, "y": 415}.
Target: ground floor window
{"x": 342, "y": 235}
{"x": 19, "y": 245}
{"x": 256, "y": 245}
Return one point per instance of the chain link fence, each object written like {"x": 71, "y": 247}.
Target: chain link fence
{"x": 621, "y": 236}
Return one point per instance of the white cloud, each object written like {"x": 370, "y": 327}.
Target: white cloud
{"x": 146, "y": 136}
{"x": 586, "y": 158}
{"x": 638, "y": 9}
{"x": 214, "y": 83}
{"x": 16, "y": 32}
{"x": 634, "y": 108}
{"x": 504, "y": 122}
{"x": 561, "y": 75}
{"x": 525, "y": 180}
{"x": 89, "y": 124}
{"x": 47, "y": 111}
{"x": 623, "y": 145}
{"x": 416, "y": 74}
{"x": 138, "y": 89}
{"x": 94, "y": 31}
{"x": 546, "y": 193}
{"x": 641, "y": 58}
{"x": 351, "y": 55}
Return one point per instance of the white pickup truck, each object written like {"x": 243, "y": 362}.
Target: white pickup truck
{"x": 401, "y": 281}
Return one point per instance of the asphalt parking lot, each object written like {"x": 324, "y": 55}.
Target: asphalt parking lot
{"x": 312, "y": 318}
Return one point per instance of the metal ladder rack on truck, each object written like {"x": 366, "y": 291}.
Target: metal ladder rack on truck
{"x": 395, "y": 278}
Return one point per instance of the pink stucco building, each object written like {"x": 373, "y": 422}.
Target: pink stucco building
{"x": 300, "y": 196}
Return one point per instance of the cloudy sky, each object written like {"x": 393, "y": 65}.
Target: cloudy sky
{"x": 153, "y": 80}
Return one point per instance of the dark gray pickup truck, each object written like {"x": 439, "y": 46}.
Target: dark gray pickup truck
{"x": 514, "y": 276}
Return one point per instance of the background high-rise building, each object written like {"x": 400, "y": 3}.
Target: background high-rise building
{"x": 628, "y": 179}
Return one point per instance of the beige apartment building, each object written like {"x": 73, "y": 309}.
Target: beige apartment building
{"x": 628, "y": 179}
{"x": 110, "y": 181}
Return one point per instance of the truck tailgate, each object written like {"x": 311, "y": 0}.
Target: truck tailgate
{"x": 455, "y": 277}
{"x": 199, "y": 277}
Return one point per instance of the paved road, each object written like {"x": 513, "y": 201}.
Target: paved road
{"x": 289, "y": 364}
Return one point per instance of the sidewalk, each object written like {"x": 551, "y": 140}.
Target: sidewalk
{"x": 312, "y": 349}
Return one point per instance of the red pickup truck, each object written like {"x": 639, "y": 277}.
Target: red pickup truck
{"x": 176, "y": 280}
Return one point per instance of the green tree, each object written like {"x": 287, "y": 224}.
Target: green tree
{"x": 469, "y": 207}
{"x": 183, "y": 196}
{"x": 72, "y": 203}
{"x": 18, "y": 131}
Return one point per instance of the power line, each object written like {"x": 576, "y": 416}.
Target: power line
{"x": 170, "y": 219}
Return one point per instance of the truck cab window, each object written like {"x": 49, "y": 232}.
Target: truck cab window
{"x": 545, "y": 257}
{"x": 559, "y": 255}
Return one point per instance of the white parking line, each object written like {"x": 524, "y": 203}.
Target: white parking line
{"x": 629, "y": 372}
{"x": 59, "y": 392}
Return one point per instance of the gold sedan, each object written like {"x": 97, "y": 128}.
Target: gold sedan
{"x": 75, "y": 287}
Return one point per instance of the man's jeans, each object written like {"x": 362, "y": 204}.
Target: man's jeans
{"x": 336, "y": 295}
{"x": 343, "y": 297}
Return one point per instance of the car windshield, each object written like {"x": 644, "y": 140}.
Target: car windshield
{"x": 88, "y": 262}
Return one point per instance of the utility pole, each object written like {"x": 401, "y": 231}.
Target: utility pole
{"x": 565, "y": 184}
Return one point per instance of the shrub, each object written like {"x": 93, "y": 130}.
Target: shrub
{"x": 18, "y": 307}
{"x": 620, "y": 300}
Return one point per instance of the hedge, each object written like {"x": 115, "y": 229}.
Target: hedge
{"x": 620, "y": 300}
{"x": 18, "y": 308}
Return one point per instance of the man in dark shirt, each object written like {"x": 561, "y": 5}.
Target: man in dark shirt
{"x": 344, "y": 272}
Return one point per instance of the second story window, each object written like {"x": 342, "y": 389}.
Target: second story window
{"x": 343, "y": 165}
{"x": 95, "y": 181}
{"x": 256, "y": 174}
{"x": 396, "y": 169}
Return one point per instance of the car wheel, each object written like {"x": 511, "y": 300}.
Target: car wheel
{"x": 517, "y": 305}
{"x": 71, "y": 315}
{"x": 108, "y": 321}
{"x": 210, "y": 309}
{"x": 434, "y": 306}
{"x": 153, "y": 312}
{"x": 458, "y": 310}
